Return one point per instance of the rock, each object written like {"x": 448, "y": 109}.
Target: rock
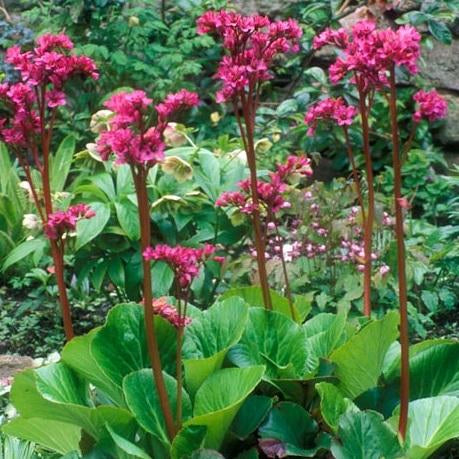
{"x": 269, "y": 7}
{"x": 11, "y": 364}
{"x": 441, "y": 65}
{"x": 449, "y": 132}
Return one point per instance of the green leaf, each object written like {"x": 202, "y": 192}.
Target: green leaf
{"x": 60, "y": 437}
{"x": 433, "y": 421}
{"x": 251, "y": 415}
{"x": 22, "y": 250}
{"x": 187, "y": 440}
{"x": 120, "y": 347}
{"x": 287, "y": 107}
{"x": 273, "y": 340}
{"x": 131, "y": 449}
{"x": 359, "y": 361}
{"x": 430, "y": 299}
{"x": 143, "y": 401}
{"x": 208, "y": 175}
{"x": 333, "y": 404}
{"x": 431, "y": 370}
{"x": 254, "y": 297}
{"x": 219, "y": 398}
{"x": 54, "y": 392}
{"x": 364, "y": 435}
{"x": 88, "y": 229}
{"x": 324, "y": 332}
{"x": 61, "y": 162}
{"x": 292, "y": 426}
{"x": 208, "y": 338}
{"x": 128, "y": 217}
{"x": 440, "y": 32}
{"x": 77, "y": 355}
{"x": 162, "y": 278}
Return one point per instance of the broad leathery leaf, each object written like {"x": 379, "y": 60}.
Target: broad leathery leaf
{"x": 251, "y": 415}
{"x": 219, "y": 398}
{"x": 273, "y": 340}
{"x": 130, "y": 449}
{"x": 61, "y": 162}
{"x": 22, "y": 250}
{"x": 208, "y": 338}
{"x": 359, "y": 361}
{"x": 60, "y": 437}
{"x": 143, "y": 401}
{"x": 432, "y": 422}
{"x": 56, "y": 393}
{"x": 365, "y": 435}
{"x": 187, "y": 440}
{"x": 128, "y": 218}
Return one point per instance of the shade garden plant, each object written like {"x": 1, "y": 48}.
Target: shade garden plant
{"x": 217, "y": 346}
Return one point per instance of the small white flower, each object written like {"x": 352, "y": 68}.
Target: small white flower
{"x": 30, "y": 221}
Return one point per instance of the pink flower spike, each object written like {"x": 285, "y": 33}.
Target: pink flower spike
{"x": 431, "y": 106}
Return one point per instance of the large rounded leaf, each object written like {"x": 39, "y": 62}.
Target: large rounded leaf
{"x": 333, "y": 404}
{"x": 219, "y": 398}
{"x": 143, "y": 401}
{"x": 359, "y": 361}
{"x": 60, "y": 437}
{"x": 55, "y": 392}
{"x": 77, "y": 355}
{"x": 273, "y": 340}
{"x": 432, "y": 422}
{"x": 208, "y": 338}
{"x": 120, "y": 347}
{"x": 434, "y": 369}
{"x": 364, "y": 435}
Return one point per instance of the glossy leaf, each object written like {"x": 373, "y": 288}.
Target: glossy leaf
{"x": 61, "y": 162}
{"x": 359, "y": 361}
{"x": 208, "y": 338}
{"x": 187, "y": 440}
{"x": 23, "y": 250}
{"x": 143, "y": 401}
{"x": 273, "y": 340}
{"x": 219, "y": 398}
{"x": 251, "y": 415}
{"x": 87, "y": 230}
{"x": 130, "y": 449}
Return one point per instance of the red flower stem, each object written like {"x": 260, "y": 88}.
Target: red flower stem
{"x": 152, "y": 343}
{"x": 409, "y": 142}
{"x": 355, "y": 174}
{"x": 179, "y": 375}
{"x": 402, "y": 290}
{"x": 368, "y": 224}
{"x": 259, "y": 242}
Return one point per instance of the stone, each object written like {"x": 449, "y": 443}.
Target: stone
{"x": 449, "y": 132}
{"x": 11, "y": 364}
{"x": 441, "y": 65}
{"x": 269, "y": 7}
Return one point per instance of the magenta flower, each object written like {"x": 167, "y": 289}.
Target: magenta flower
{"x": 431, "y": 106}
{"x": 330, "y": 109}
{"x": 252, "y": 43}
{"x": 184, "y": 261}
{"x": 130, "y": 137}
{"x": 162, "y": 308}
{"x": 62, "y": 222}
{"x": 369, "y": 53}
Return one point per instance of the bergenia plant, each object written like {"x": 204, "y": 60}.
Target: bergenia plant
{"x": 370, "y": 56}
{"x": 135, "y": 140}
{"x": 252, "y": 43}
{"x": 31, "y": 107}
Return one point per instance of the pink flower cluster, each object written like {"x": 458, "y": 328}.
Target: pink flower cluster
{"x": 44, "y": 71}
{"x": 431, "y": 106}
{"x": 184, "y": 261}
{"x": 129, "y": 137}
{"x": 252, "y": 43}
{"x": 61, "y": 222}
{"x": 270, "y": 194}
{"x": 369, "y": 53}
{"x": 330, "y": 109}
{"x": 162, "y": 308}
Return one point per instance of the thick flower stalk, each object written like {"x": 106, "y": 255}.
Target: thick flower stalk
{"x": 185, "y": 262}
{"x": 252, "y": 43}
{"x": 368, "y": 54}
{"x": 32, "y": 106}
{"x": 134, "y": 140}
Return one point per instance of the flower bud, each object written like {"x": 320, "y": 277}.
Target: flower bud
{"x": 172, "y": 135}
